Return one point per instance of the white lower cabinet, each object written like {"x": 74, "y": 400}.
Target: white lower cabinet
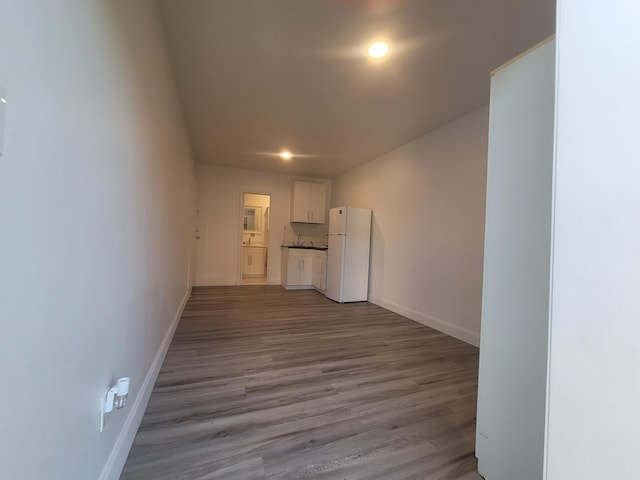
{"x": 318, "y": 277}
{"x": 297, "y": 265}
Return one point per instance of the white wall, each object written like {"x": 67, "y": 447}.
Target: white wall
{"x": 428, "y": 200}
{"x": 515, "y": 303}
{"x": 219, "y": 250}
{"x": 94, "y": 211}
{"x": 594, "y": 399}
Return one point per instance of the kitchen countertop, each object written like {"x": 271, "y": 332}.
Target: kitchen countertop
{"x": 308, "y": 247}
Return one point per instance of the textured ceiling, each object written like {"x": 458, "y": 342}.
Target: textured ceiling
{"x": 257, "y": 76}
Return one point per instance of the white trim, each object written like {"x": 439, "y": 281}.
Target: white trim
{"x": 299, "y": 287}
{"x": 243, "y": 192}
{"x": 118, "y": 456}
{"x": 443, "y": 326}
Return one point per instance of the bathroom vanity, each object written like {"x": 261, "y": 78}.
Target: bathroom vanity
{"x": 254, "y": 260}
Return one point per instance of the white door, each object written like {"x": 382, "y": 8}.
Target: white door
{"x": 294, "y": 266}
{"x": 306, "y": 265}
{"x": 318, "y": 270}
{"x": 335, "y": 263}
{"x": 318, "y": 203}
{"x": 301, "y": 200}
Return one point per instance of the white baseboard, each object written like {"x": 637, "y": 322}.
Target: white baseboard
{"x": 443, "y": 326}
{"x": 297, "y": 287}
{"x": 120, "y": 452}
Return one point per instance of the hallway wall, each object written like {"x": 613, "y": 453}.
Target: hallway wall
{"x": 95, "y": 191}
{"x": 594, "y": 386}
{"x": 427, "y": 238}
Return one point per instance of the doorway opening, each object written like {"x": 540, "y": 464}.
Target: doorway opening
{"x": 255, "y": 238}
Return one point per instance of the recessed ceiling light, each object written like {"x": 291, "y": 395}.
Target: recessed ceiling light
{"x": 3, "y": 100}
{"x": 286, "y": 155}
{"x": 378, "y": 49}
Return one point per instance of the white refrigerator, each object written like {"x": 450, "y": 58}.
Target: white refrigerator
{"x": 348, "y": 254}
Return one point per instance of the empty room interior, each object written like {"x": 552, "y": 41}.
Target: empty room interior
{"x": 319, "y": 239}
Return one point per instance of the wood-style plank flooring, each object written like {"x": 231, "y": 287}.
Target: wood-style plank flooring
{"x": 262, "y": 383}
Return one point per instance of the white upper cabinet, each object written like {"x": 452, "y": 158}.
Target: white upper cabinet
{"x": 318, "y": 203}
{"x": 309, "y": 202}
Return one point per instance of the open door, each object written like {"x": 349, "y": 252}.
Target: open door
{"x": 255, "y": 215}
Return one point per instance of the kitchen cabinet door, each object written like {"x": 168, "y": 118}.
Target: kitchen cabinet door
{"x": 318, "y": 203}
{"x": 306, "y": 268}
{"x": 308, "y": 203}
{"x": 295, "y": 262}
{"x": 300, "y": 202}
{"x": 318, "y": 277}
{"x": 298, "y": 269}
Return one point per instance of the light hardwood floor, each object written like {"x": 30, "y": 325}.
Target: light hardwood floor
{"x": 263, "y": 383}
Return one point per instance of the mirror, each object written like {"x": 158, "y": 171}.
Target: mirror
{"x": 252, "y": 219}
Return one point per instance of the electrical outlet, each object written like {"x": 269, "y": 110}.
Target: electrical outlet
{"x": 116, "y": 397}
{"x": 104, "y": 416}
{"x": 3, "y": 102}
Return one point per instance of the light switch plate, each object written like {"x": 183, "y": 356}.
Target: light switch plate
{"x": 3, "y": 107}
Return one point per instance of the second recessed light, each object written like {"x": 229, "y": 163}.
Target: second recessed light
{"x": 378, "y": 50}
{"x": 286, "y": 155}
